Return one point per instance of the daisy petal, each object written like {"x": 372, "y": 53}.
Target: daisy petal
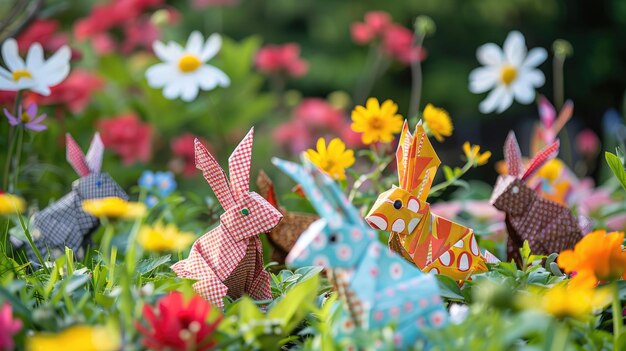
{"x": 493, "y": 100}
{"x": 210, "y": 77}
{"x": 211, "y": 47}
{"x": 489, "y": 54}
{"x": 11, "y": 56}
{"x": 36, "y": 127}
{"x": 38, "y": 119}
{"x": 167, "y": 53}
{"x": 523, "y": 91}
{"x": 505, "y": 101}
{"x": 158, "y": 75}
{"x": 12, "y": 120}
{"x": 189, "y": 90}
{"x": 483, "y": 79}
{"x": 535, "y": 57}
{"x": 515, "y": 48}
{"x": 534, "y": 77}
{"x": 172, "y": 90}
{"x": 194, "y": 43}
{"x": 31, "y": 110}
{"x": 35, "y": 56}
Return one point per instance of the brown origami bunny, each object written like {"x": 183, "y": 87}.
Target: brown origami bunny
{"x": 228, "y": 260}
{"x": 548, "y": 226}
{"x": 284, "y": 236}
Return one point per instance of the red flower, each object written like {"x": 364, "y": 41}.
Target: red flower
{"x": 398, "y": 42}
{"x": 74, "y": 92}
{"x": 285, "y": 58}
{"x": 128, "y": 137}
{"x": 179, "y": 326}
{"x": 372, "y": 28}
{"x": 184, "y": 154}
{"x": 42, "y": 31}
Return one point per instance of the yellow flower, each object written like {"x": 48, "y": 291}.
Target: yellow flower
{"x": 438, "y": 122}
{"x": 10, "y": 204}
{"x": 563, "y": 301}
{"x": 114, "y": 207}
{"x": 332, "y": 160}
{"x": 597, "y": 257}
{"x": 76, "y": 338}
{"x": 472, "y": 152}
{"x": 161, "y": 238}
{"x": 551, "y": 170}
{"x": 376, "y": 122}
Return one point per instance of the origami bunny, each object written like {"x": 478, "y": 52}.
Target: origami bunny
{"x": 64, "y": 223}
{"x": 228, "y": 260}
{"x": 286, "y": 233}
{"x": 548, "y": 226}
{"x": 433, "y": 243}
{"x": 376, "y": 285}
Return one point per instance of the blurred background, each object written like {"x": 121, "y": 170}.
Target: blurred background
{"x": 111, "y": 47}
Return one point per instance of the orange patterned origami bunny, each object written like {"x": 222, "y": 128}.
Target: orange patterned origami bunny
{"x": 432, "y": 243}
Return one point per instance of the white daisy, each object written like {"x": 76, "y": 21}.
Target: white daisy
{"x": 511, "y": 73}
{"x": 184, "y": 70}
{"x": 36, "y": 73}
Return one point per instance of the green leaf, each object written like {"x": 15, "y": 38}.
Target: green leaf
{"x": 449, "y": 288}
{"x": 150, "y": 264}
{"x": 525, "y": 250}
{"x": 617, "y": 167}
{"x": 448, "y": 173}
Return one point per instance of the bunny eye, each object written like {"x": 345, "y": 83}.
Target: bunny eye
{"x": 245, "y": 211}
{"x": 333, "y": 238}
{"x": 98, "y": 183}
{"x": 515, "y": 189}
{"x": 397, "y": 204}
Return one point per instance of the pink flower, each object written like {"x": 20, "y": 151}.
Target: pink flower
{"x": 201, "y": 4}
{"x": 448, "y": 209}
{"x": 74, "y": 92}
{"x": 277, "y": 59}
{"x": 8, "y": 327}
{"x": 42, "y": 31}
{"x": 140, "y": 34}
{"x": 372, "y": 28}
{"x": 398, "y": 43}
{"x": 184, "y": 154}
{"x": 587, "y": 142}
{"x": 128, "y": 137}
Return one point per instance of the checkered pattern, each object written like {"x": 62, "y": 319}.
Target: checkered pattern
{"x": 546, "y": 225}
{"x": 64, "y": 223}
{"x": 228, "y": 260}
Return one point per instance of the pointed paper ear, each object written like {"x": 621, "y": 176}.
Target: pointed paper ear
{"x": 422, "y": 164}
{"x": 545, "y": 155}
{"x": 239, "y": 165}
{"x": 402, "y": 152}
{"x": 94, "y": 155}
{"x": 564, "y": 116}
{"x": 513, "y": 155}
{"x": 75, "y": 156}
{"x": 315, "y": 195}
{"x": 215, "y": 176}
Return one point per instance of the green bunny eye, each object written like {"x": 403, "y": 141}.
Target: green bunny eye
{"x": 245, "y": 211}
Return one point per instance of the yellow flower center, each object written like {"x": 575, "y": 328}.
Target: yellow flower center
{"x": 189, "y": 63}
{"x": 508, "y": 74}
{"x": 376, "y": 123}
{"x": 21, "y": 73}
{"x": 25, "y": 117}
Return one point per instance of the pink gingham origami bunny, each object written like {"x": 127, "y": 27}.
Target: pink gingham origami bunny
{"x": 228, "y": 260}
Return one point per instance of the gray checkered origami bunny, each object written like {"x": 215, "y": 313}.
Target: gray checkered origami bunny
{"x": 64, "y": 223}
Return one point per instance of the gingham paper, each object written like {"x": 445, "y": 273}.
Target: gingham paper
{"x": 228, "y": 260}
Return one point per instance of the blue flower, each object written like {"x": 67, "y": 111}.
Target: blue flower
{"x": 165, "y": 183}
{"x": 147, "y": 180}
{"x": 151, "y": 201}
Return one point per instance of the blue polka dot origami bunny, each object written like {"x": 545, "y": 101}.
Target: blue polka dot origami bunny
{"x": 376, "y": 285}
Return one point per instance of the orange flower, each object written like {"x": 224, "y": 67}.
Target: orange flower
{"x": 597, "y": 257}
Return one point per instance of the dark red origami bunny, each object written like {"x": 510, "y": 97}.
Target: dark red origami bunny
{"x": 548, "y": 226}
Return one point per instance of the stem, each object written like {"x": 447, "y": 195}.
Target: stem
{"x": 617, "y": 317}
{"x": 558, "y": 84}
{"x": 18, "y": 156}
{"x": 373, "y": 69}
{"x": 447, "y": 183}
{"x": 7, "y": 165}
{"x": 559, "y": 341}
{"x": 416, "y": 77}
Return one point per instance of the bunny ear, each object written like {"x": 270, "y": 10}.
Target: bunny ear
{"x": 94, "y": 155}
{"x": 513, "y": 155}
{"x": 422, "y": 164}
{"x": 402, "y": 152}
{"x": 266, "y": 188}
{"x": 313, "y": 192}
{"x": 214, "y": 174}
{"x": 75, "y": 156}
{"x": 564, "y": 116}
{"x": 545, "y": 155}
{"x": 239, "y": 165}
{"x": 333, "y": 194}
